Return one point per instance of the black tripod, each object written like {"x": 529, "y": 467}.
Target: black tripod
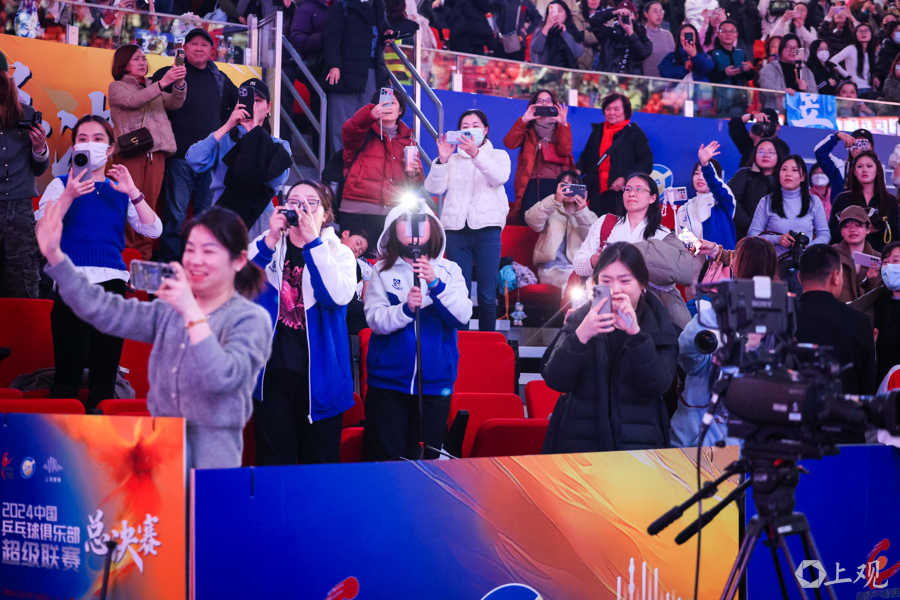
{"x": 416, "y": 247}
{"x": 774, "y": 480}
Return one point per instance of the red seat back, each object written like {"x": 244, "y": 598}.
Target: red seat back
{"x": 130, "y": 254}
{"x": 540, "y": 399}
{"x": 127, "y": 405}
{"x": 351, "y": 445}
{"x": 518, "y": 241}
{"x": 487, "y": 367}
{"x": 135, "y": 356}
{"x": 510, "y": 437}
{"x": 9, "y": 393}
{"x": 483, "y": 337}
{"x": 25, "y": 328}
{"x": 47, "y": 406}
{"x": 364, "y": 337}
{"x": 355, "y": 414}
{"x": 483, "y": 407}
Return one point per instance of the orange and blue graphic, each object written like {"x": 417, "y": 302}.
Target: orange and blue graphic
{"x": 84, "y": 481}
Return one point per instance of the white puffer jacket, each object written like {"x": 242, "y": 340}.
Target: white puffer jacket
{"x": 474, "y": 187}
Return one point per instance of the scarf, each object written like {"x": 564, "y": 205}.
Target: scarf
{"x": 790, "y": 76}
{"x": 605, "y": 142}
{"x": 545, "y": 131}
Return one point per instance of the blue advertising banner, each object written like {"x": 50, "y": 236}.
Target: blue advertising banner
{"x": 811, "y": 110}
{"x": 71, "y": 483}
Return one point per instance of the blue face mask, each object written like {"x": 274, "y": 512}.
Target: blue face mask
{"x": 890, "y": 274}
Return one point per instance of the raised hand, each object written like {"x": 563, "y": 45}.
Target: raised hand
{"x": 707, "y": 152}
{"x": 596, "y": 322}
{"x": 529, "y": 114}
{"x": 562, "y": 113}
{"x": 445, "y": 149}
{"x": 121, "y": 181}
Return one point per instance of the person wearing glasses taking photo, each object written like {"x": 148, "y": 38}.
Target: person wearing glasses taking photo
{"x": 312, "y": 279}
{"x": 785, "y": 74}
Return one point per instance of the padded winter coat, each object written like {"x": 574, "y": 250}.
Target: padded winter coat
{"x": 524, "y": 138}
{"x": 133, "y": 105}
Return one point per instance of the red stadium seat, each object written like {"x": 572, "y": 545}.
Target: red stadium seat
{"x": 354, "y": 415}
{"x": 124, "y": 406}
{"x": 539, "y": 399}
{"x": 483, "y": 407}
{"x": 481, "y": 336}
{"x": 351, "y": 445}
{"x": 130, "y": 254}
{"x": 509, "y": 437}
{"x": 364, "y": 337}
{"x": 10, "y": 394}
{"x": 135, "y": 356}
{"x": 47, "y": 406}
{"x": 25, "y": 328}
{"x": 487, "y": 367}
{"x": 518, "y": 241}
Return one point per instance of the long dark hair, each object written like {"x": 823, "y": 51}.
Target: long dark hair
{"x": 10, "y": 110}
{"x": 776, "y": 200}
{"x": 570, "y": 22}
{"x": 869, "y": 51}
{"x": 654, "y": 216}
{"x": 629, "y": 256}
{"x": 432, "y": 248}
{"x": 229, "y": 230}
{"x": 754, "y": 256}
{"x": 121, "y": 58}
{"x": 885, "y": 199}
{"x": 678, "y": 47}
{"x": 813, "y": 59}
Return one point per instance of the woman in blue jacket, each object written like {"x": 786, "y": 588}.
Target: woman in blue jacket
{"x": 392, "y": 429}
{"x": 312, "y": 279}
{"x": 686, "y": 58}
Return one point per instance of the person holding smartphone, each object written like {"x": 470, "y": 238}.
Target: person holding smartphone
{"x": 392, "y": 297}
{"x": 623, "y": 45}
{"x": 787, "y": 74}
{"x": 311, "y": 278}
{"x": 93, "y": 210}
{"x": 613, "y": 362}
{"x": 136, "y": 102}
{"x": 868, "y": 189}
{"x": 563, "y": 220}
{"x": 475, "y": 207}
{"x": 558, "y": 43}
{"x": 26, "y": 156}
{"x": 687, "y": 58}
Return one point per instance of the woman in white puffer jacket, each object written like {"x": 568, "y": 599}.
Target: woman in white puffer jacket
{"x": 475, "y": 207}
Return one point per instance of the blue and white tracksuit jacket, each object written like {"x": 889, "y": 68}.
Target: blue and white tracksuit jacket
{"x": 710, "y": 216}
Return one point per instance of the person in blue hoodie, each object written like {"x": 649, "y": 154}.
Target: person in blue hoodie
{"x": 709, "y": 214}
{"x": 836, "y": 169}
{"x": 392, "y": 424}
{"x": 687, "y": 58}
{"x": 312, "y": 278}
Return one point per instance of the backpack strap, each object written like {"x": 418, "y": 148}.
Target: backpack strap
{"x": 609, "y": 222}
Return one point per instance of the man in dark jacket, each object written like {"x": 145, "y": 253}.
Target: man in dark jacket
{"x": 628, "y": 153}
{"x": 623, "y": 47}
{"x": 354, "y": 60}
{"x": 613, "y": 384}
{"x": 209, "y": 101}
{"x": 824, "y": 320}
{"x": 470, "y": 30}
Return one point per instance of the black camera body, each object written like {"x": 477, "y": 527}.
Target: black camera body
{"x": 35, "y": 121}
{"x": 763, "y": 129}
{"x": 801, "y": 241}
{"x": 293, "y": 219}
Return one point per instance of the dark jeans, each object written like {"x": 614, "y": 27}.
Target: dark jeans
{"x": 284, "y": 435}
{"x": 535, "y": 191}
{"x": 481, "y": 247}
{"x": 392, "y": 424}
{"x": 179, "y": 185}
{"x": 77, "y": 345}
{"x": 19, "y": 253}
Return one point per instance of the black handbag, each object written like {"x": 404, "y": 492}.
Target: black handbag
{"x": 139, "y": 141}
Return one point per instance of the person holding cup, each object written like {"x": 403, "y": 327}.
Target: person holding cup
{"x": 473, "y": 173}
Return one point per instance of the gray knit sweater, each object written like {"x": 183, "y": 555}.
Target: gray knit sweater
{"x": 209, "y": 383}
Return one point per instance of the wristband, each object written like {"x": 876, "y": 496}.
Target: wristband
{"x": 138, "y": 200}
{"x": 197, "y": 322}
{"x": 434, "y": 283}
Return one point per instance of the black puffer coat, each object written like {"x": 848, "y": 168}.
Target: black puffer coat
{"x": 349, "y": 39}
{"x": 613, "y": 385}
{"x": 749, "y": 186}
{"x": 618, "y": 52}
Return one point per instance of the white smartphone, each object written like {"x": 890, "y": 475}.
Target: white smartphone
{"x": 387, "y": 96}
{"x": 675, "y": 195}
{"x": 867, "y": 260}
{"x": 690, "y": 241}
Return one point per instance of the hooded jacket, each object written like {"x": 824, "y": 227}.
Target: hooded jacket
{"x": 475, "y": 190}
{"x": 329, "y": 283}
{"x": 133, "y": 105}
{"x": 613, "y": 385}
{"x": 375, "y": 170}
{"x": 391, "y": 362}
{"x": 710, "y": 216}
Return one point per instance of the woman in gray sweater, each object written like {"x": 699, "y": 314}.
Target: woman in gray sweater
{"x": 209, "y": 341}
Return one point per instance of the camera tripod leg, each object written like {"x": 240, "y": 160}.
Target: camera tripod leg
{"x": 814, "y": 551}
{"x": 754, "y": 529}
{"x": 782, "y": 543}
{"x": 774, "y": 543}
{"x": 808, "y": 554}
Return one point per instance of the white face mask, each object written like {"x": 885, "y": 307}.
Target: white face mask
{"x": 890, "y": 274}
{"x": 819, "y": 179}
{"x": 896, "y": 36}
{"x": 97, "y": 151}
{"x": 823, "y": 56}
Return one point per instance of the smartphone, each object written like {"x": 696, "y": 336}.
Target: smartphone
{"x": 598, "y": 294}
{"x": 81, "y": 165}
{"x": 414, "y": 226}
{"x": 867, "y": 260}
{"x": 675, "y": 195}
{"x": 387, "y": 96}
{"x": 573, "y": 190}
{"x": 179, "y": 57}
{"x": 410, "y": 154}
{"x": 799, "y": 54}
{"x": 246, "y": 96}
{"x": 476, "y": 135}
{"x": 690, "y": 241}
{"x": 689, "y": 37}
{"x": 148, "y": 276}
{"x": 625, "y": 19}
{"x": 861, "y": 145}
{"x": 545, "y": 111}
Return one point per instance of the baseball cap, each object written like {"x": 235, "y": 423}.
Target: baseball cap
{"x": 259, "y": 88}
{"x": 857, "y": 213}
{"x": 198, "y": 31}
{"x": 627, "y": 5}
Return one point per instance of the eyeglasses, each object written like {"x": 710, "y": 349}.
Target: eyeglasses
{"x": 544, "y": 102}
{"x": 636, "y": 190}
{"x": 313, "y": 204}
{"x": 763, "y": 154}
{"x": 728, "y": 31}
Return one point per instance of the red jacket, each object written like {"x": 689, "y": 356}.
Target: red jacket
{"x": 378, "y": 174}
{"x": 524, "y": 138}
